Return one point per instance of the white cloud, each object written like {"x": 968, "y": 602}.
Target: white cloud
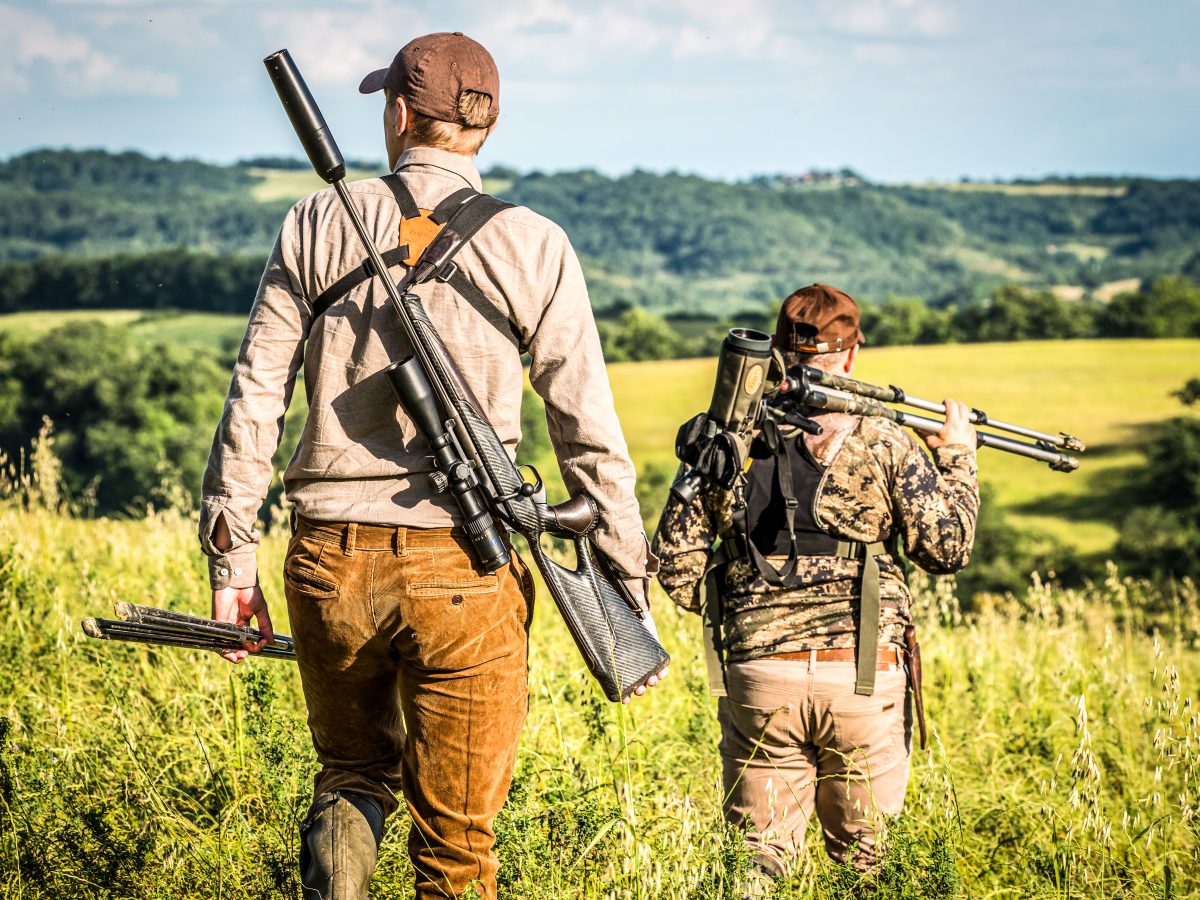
{"x": 890, "y": 18}
{"x": 34, "y": 42}
{"x": 333, "y": 47}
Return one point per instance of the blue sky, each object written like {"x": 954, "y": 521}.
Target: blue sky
{"x": 898, "y": 89}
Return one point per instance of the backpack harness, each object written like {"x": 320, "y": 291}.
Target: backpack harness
{"x": 469, "y": 210}
{"x": 775, "y": 508}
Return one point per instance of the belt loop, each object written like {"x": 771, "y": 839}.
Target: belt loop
{"x": 400, "y": 541}
{"x": 348, "y": 535}
{"x": 292, "y": 518}
{"x": 812, "y": 660}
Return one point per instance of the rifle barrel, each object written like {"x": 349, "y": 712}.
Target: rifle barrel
{"x": 840, "y": 401}
{"x": 893, "y": 394}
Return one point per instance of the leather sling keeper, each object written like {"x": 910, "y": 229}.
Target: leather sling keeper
{"x": 912, "y": 650}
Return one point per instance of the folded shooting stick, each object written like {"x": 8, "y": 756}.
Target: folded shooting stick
{"x": 147, "y": 625}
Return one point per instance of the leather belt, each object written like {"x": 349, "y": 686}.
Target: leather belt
{"x": 888, "y": 656}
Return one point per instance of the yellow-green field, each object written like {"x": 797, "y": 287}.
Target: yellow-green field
{"x": 1102, "y": 391}
{"x": 1044, "y": 190}
{"x": 1064, "y": 761}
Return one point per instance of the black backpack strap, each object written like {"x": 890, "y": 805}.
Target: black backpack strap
{"x": 478, "y": 299}
{"x": 465, "y": 220}
{"x": 404, "y": 198}
{"x": 783, "y": 477}
{"x": 444, "y": 211}
{"x": 466, "y": 211}
{"x": 356, "y": 276}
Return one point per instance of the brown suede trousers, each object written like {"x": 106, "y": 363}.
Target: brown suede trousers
{"x": 414, "y": 668}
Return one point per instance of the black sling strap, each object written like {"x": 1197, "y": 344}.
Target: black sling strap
{"x": 466, "y": 210}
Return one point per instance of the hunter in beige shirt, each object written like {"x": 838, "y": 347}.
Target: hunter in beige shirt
{"x": 360, "y": 458}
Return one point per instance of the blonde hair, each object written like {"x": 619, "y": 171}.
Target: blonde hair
{"x": 473, "y": 107}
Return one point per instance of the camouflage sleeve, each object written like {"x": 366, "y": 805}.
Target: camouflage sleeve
{"x": 936, "y": 502}
{"x": 683, "y": 544}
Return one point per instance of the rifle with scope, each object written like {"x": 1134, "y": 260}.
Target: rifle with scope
{"x": 753, "y": 383}
{"x": 469, "y": 458}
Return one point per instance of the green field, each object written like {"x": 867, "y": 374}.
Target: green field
{"x": 1064, "y": 759}
{"x": 190, "y": 329}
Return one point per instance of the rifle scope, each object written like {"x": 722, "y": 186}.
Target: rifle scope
{"x": 416, "y": 396}
{"x": 715, "y": 451}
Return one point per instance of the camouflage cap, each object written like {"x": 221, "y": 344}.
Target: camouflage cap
{"x": 818, "y": 319}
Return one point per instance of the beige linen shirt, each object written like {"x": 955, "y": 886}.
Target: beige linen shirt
{"x": 360, "y": 458}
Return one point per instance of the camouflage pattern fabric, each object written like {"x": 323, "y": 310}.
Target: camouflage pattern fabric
{"x": 878, "y": 482}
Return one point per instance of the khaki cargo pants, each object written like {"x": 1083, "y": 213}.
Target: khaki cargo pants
{"x": 414, "y": 668}
{"x": 796, "y": 739}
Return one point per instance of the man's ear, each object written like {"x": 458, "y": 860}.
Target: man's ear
{"x": 850, "y": 358}
{"x": 402, "y": 115}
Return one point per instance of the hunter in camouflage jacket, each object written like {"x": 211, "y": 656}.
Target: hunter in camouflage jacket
{"x": 878, "y": 482}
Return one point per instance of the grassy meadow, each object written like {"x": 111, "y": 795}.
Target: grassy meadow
{"x": 1064, "y": 759}
{"x": 1065, "y": 744}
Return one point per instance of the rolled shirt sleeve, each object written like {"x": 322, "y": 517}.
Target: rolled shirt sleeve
{"x": 239, "y": 468}
{"x": 567, "y": 370}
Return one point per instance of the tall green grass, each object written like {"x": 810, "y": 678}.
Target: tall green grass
{"x": 1064, "y": 759}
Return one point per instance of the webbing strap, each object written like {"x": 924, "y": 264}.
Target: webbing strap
{"x": 485, "y": 307}
{"x": 868, "y": 612}
{"x": 356, "y": 276}
{"x": 444, "y": 211}
{"x": 712, "y": 615}
{"x": 783, "y": 478}
{"x": 471, "y": 215}
{"x": 467, "y": 211}
{"x": 404, "y": 198}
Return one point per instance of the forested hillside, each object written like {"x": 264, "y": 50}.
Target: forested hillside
{"x": 670, "y": 243}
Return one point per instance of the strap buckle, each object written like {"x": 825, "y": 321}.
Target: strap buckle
{"x": 446, "y": 272}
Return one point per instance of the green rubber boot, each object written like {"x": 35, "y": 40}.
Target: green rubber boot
{"x": 339, "y": 841}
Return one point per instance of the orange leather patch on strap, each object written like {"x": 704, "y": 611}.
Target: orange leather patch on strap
{"x": 417, "y": 234}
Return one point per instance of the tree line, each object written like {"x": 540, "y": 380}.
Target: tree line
{"x": 1168, "y": 307}
{"x": 178, "y": 279}
{"x": 668, "y": 242}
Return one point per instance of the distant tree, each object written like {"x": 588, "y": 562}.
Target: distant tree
{"x": 1189, "y": 393}
{"x": 639, "y": 335}
{"x": 1162, "y": 537}
{"x": 133, "y": 424}
{"x": 1016, "y": 314}
{"x": 1170, "y": 308}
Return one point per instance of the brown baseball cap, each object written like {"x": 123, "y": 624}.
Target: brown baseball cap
{"x": 431, "y": 72}
{"x": 818, "y": 319}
